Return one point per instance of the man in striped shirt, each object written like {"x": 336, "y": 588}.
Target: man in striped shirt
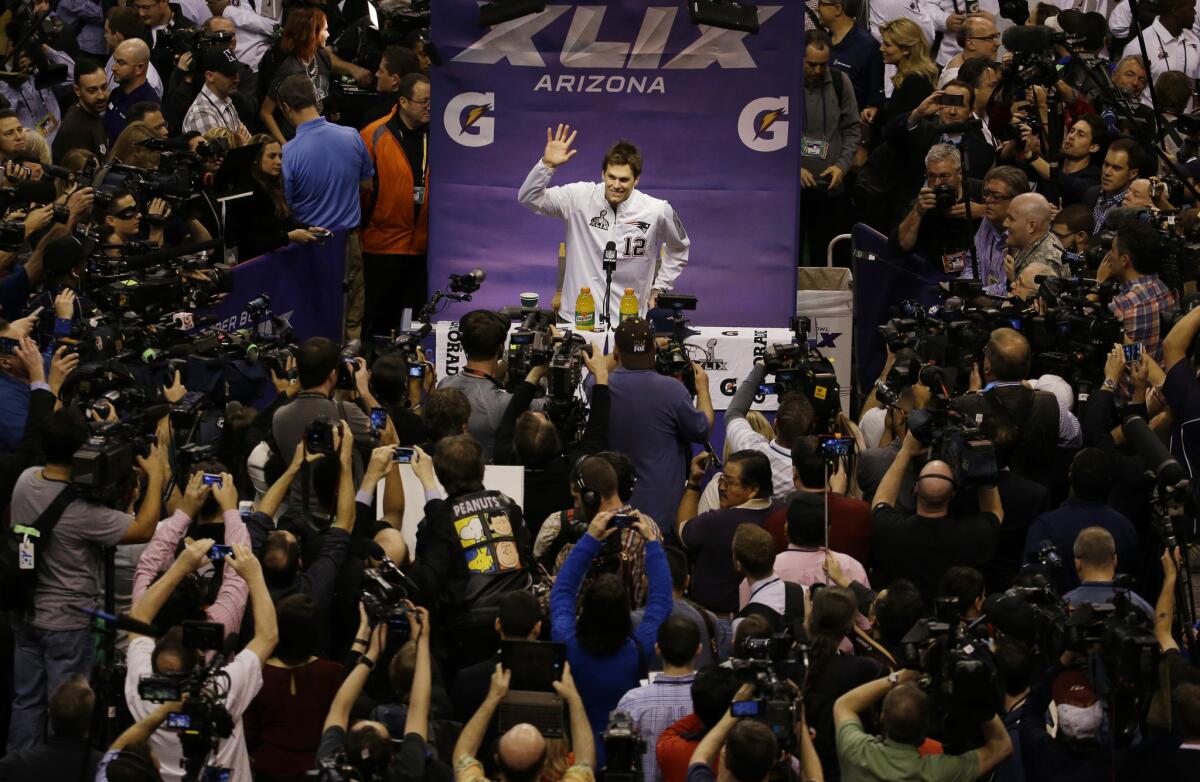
{"x": 656, "y": 706}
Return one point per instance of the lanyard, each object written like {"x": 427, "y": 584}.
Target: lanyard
{"x": 761, "y": 587}
{"x": 219, "y": 109}
{"x": 1163, "y": 51}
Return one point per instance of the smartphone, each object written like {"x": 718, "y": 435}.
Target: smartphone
{"x": 622, "y": 521}
{"x": 216, "y": 774}
{"x": 714, "y": 460}
{"x": 746, "y": 708}
{"x": 416, "y": 370}
{"x": 403, "y": 455}
{"x": 766, "y": 389}
{"x": 211, "y": 479}
{"x": 177, "y": 719}
{"x": 219, "y": 551}
{"x": 320, "y": 233}
{"x": 378, "y": 418}
{"x": 951, "y": 100}
{"x": 831, "y": 446}
{"x": 1133, "y": 352}
{"x": 8, "y": 345}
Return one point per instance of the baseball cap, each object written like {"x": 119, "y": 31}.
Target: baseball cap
{"x": 220, "y": 60}
{"x": 1080, "y": 714}
{"x": 635, "y": 340}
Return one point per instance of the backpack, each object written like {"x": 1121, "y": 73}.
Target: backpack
{"x": 22, "y": 550}
{"x": 793, "y": 608}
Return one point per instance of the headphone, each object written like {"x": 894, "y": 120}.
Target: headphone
{"x": 587, "y": 495}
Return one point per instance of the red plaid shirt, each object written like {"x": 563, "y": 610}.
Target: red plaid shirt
{"x": 1140, "y": 305}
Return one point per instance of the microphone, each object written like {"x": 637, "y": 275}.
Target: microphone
{"x": 1031, "y": 39}
{"x": 1147, "y": 445}
{"x": 469, "y": 282}
{"x": 610, "y": 256}
{"x": 123, "y": 622}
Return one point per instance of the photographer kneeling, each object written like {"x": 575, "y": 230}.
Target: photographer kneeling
{"x": 170, "y": 658}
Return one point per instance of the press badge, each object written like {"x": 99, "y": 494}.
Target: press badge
{"x": 814, "y": 147}
{"x": 48, "y": 125}
{"x": 954, "y": 262}
{"x": 418, "y": 195}
{"x": 25, "y": 555}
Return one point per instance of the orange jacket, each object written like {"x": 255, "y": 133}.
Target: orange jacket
{"x": 391, "y": 229}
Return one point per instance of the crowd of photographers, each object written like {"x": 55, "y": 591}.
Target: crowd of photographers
{"x": 209, "y": 574}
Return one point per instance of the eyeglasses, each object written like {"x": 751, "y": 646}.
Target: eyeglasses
{"x": 1062, "y": 237}
{"x": 991, "y": 195}
{"x": 724, "y": 480}
{"x": 992, "y": 37}
{"x": 422, "y": 102}
{"x": 128, "y": 213}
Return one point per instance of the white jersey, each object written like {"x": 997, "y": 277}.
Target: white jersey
{"x": 938, "y": 10}
{"x": 638, "y": 227}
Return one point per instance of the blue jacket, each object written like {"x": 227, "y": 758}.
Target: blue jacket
{"x": 602, "y": 681}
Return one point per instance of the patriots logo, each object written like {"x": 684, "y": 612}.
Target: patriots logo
{"x": 769, "y": 119}
{"x": 642, "y": 226}
{"x": 474, "y": 114}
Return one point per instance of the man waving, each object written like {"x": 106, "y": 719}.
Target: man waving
{"x": 613, "y": 211}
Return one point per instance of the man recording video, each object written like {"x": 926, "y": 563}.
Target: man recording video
{"x": 597, "y": 215}
{"x": 170, "y": 656}
{"x": 52, "y": 636}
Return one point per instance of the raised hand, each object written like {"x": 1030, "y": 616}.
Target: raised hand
{"x": 558, "y": 146}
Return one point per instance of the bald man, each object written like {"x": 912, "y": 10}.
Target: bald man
{"x": 922, "y": 546}
{"x": 131, "y": 59}
{"x": 1138, "y": 195}
{"x": 1026, "y": 286}
{"x": 521, "y": 752}
{"x": 1029, "y": 236}
{"x": 1028, "y": 425}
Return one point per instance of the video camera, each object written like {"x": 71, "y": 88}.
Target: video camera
{"x": 800, "y": 366}
{"x": 204, "y": 720}
{"x": 961, "y": 677}
{"x": 623, "y": 748}
{"x": 953, "y": 437}
{"x": 384, "y": 592}
{"x": 768, "y": 663}
{"x": 673, "y": 359}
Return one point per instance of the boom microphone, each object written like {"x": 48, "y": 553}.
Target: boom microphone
{"x": 1031, "y": 39}
{"x": 123, "y": 622}
{"x": 1156, "y": 456}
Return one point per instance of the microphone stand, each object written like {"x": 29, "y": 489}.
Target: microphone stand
{"x": 1137, "y": 25}
{"x": 610, "y": 266}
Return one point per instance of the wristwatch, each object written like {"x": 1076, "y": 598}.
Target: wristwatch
{"x": 893, "y": 678}
{"x": 1109, "y": 384}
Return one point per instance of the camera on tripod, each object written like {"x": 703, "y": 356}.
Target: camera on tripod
{"x": 623, "y": 748}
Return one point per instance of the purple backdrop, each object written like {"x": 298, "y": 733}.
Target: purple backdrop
{"x": 304, "y": 282}
{"x": 714, "y": 112}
